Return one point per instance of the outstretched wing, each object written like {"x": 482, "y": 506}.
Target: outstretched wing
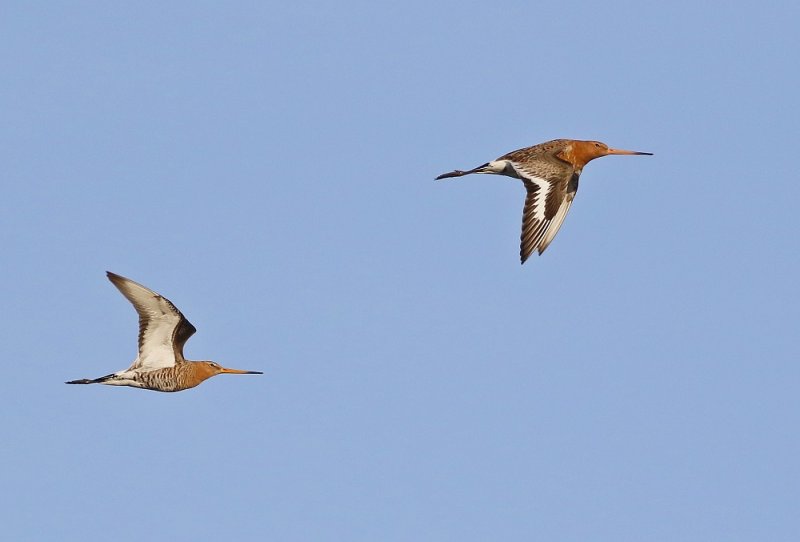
{"x": 549, "y": 197}
{"x": 163, "y": 330}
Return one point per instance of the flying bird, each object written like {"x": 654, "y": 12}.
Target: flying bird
{"x": 163, "y": 330}
{"x": 550, "y": 174}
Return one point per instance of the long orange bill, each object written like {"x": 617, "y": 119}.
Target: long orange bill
{"x": 620, "y": 151}
{"x": 240, "y": 372}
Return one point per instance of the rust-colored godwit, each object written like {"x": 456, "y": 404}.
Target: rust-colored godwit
{"x": 163, "y": 331}
{"x": 550, "y": 174}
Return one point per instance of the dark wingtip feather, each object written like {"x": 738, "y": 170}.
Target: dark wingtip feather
{"x": 113, "y": 277}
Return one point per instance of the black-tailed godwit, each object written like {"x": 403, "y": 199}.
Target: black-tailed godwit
{"x": 163, "y": 331}
{"x": 550, "y": 174}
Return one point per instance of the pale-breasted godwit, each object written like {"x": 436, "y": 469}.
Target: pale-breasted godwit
{"x": 550, "y": 174}
{"x": 163, "y": 331}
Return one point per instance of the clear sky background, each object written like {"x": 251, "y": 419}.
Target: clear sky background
{"x": 269, "y": 168}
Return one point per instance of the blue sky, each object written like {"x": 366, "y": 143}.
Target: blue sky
{"x": 269, "y": 168}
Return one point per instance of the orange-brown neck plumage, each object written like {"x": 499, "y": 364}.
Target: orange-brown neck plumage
{"x": 199, "y": 371}
{"x": 580, "y": 153}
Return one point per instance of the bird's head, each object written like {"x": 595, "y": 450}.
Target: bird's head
{"x": 580, "y": 153}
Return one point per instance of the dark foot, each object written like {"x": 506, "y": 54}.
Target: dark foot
{"x": 91, "y": 380}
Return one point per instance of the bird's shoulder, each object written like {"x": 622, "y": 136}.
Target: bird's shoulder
{"x": 541, "y": 161}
